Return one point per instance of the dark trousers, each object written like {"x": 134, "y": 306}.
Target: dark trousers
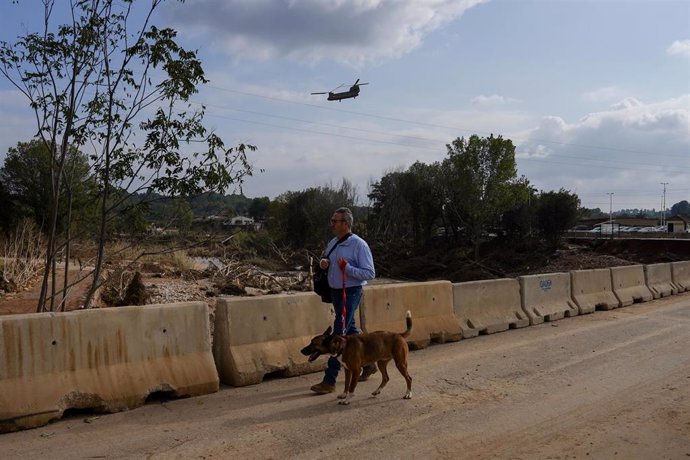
{"x": 353, "y": 298}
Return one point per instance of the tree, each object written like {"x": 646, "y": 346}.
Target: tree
{"x": 258, "y": 208}
{"x": 520, "y": 222}
{"x": 9, "y": 214}
{"x": 92, "y": 82}
{"x": 682, "y": 208}
{"x": 183, "y": 215}
{"x": 593, "y": 213}
{"x": 391, "y": 214}
{"x": 556, "y": 213}
{"x": 26, "y": 176}
{"x": 480, "y": 181}
{"x": 300, "y": 219}
{"x": 407, "y": 203}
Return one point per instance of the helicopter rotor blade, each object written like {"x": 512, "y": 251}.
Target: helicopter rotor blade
{"x": 326, "y": 92}
{"x": 356, "y": 82}
{"x": 362, "y": 84}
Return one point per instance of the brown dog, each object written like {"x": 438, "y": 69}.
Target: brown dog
{"x": 357, "y": 350}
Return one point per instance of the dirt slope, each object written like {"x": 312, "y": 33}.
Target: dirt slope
{"x": 608, "y": 385}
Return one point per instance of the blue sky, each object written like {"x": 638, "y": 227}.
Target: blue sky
{"x": 595, "y": 94}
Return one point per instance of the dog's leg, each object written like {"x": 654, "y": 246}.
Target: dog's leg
{"x": 352, "y": 379}
{"x": 401, "y": 364}
{"x": 384, "y": 375}
{"x": 348, "y": 377}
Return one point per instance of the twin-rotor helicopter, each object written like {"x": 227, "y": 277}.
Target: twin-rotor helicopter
{"x": 351, "y": 93}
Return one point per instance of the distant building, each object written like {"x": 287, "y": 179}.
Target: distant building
{"x": 678, "y": 224}
{"x": 243, "y": 222}
{"x": 240, "y": 221}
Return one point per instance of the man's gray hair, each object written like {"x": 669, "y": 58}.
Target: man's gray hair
{"x": 347, "y": 215}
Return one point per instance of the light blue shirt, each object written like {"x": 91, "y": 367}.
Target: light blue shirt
{"x": 360, "y": 263}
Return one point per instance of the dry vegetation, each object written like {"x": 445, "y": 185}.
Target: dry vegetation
{"x": 159, "y": 273}
{"x": 23, "y": 257}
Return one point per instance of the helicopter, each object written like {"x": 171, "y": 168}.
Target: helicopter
{"x": 353, "y": 92}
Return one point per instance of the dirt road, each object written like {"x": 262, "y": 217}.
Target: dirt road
{"x": 608, "y": 385}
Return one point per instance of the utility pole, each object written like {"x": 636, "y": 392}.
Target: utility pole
{"x": 663, "y": 205}
{"x": 610, "y": 194}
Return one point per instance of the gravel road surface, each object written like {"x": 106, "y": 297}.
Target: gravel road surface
{"x": 613, "y": 384}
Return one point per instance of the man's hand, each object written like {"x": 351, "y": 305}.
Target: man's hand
{"x": 324, "y": 263}
{"x": 342, "y": 263}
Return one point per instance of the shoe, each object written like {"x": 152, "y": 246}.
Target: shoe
{"x": 323, "y": 388}
{"x": 368, "y": 371}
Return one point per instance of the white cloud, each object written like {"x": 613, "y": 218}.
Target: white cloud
{"x": 681, "y": 47}
{"x": 346, "y": 31}
{"x": 297, "y": 160}
{"x": 604, "y": 94}
{"x": 629, "y": 149}
{"x": 486, "y": 102}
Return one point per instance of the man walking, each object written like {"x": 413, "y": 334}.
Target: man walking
{"x": 353, "y": 256}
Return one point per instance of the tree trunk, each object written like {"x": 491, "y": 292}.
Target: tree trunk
{"x": 68, "y": 236}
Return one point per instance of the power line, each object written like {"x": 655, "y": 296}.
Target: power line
{"x": 320, "y": 132}
{"x": 282, "y": 117}
{"x": 455, "y": 128}
{"x": 518, "y": 159}
{"x": 424, "y": 139}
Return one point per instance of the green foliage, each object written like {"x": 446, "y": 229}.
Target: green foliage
{"x": 593, "y": 213}
{"x": 391, "y": 213}
{"x": 207, "y": 204}
{"x": 182, "y": 215}
{"x": 26, "y": 176}
{"x": 682, "y": 208}
{"x": 634, "y": 213}
{"x": 300, "y": 219}
{"x": 480, "y": 180}
{"x": 9, "y": 211}
{"x": 28, "y": 179}
{"x": 91, "y": 84}
{"x": 520, "y": 222}
{"x": 556, "y": 213}
{"x": 260, "y": 243}
{"x": 407, "y": 203}
{"x": 258, "y": 208}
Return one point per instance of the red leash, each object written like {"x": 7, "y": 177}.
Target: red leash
{"x": 344, "y": 310}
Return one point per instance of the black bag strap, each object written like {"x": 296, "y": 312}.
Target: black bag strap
{"x": 336, "y": 244}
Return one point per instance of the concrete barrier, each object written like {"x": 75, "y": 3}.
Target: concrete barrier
{"x": 629, "y": 285}
{"x": 485, "y": 307}
{"x": 547, "y": 297}
{"x": 660, "y": 280}
{"x": 431, "y": 304}
{"x": 680, "y": 273}
{"x": 592, "y": 290}
{"x": 256, "y": 336}
{"x": 106, "y": 360}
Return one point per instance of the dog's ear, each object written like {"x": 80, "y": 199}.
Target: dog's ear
{"x": 328, "y": 331}
{"x": 328, "y": 340}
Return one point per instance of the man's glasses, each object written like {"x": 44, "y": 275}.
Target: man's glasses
{"x": 335, "y": 221}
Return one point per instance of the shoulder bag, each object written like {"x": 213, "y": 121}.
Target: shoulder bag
{"x": 320, "y": 279}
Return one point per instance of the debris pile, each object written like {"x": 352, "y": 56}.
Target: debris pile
{"x": 233, "y": 277}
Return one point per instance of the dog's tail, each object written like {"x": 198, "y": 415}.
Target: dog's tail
{"x": 408, "y": 320}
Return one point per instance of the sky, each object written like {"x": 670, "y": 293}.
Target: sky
{"x": 594, "y": 94}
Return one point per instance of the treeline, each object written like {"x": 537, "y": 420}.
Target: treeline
{"x": 472, "y": 195}
{"x": 682, "y": 208}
